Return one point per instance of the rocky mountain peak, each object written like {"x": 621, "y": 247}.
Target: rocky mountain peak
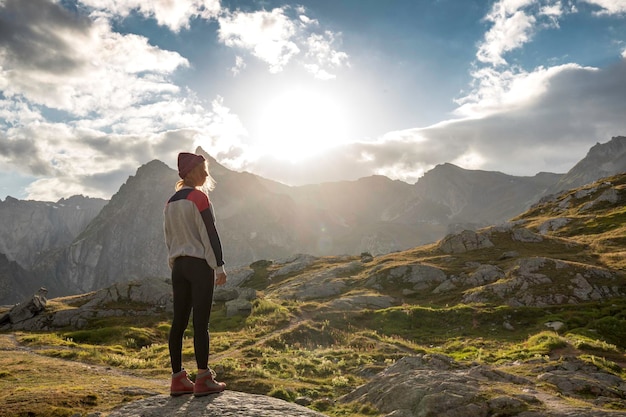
{"x": 602, "y": 160}
{"x": 151, "y": 168}
{"x": 615, "y": 147}
{"x": 476, "y": 198}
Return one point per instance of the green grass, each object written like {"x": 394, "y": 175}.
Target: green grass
{"x": 297, "y": 349}
{"x": 290, "y": 350}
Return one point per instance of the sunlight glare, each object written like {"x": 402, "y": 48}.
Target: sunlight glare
{"x": 300, "y": 123}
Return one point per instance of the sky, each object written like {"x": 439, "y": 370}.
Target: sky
{"x": 303, "y": 92}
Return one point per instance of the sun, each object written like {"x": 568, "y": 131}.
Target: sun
{"x": 299, "y": 123}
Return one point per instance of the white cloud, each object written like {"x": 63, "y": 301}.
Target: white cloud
{"x": 609, "y": 6}
{"x": 115, "y": 92}
{"x": 268, "y": 35}
{"x": 320, "y": 49}
{"x": 46, "y": 189}
{"x": 13, "y": 112}
{"x": 65, "y": 62}
{"x": 498, "y": 87}
{"x": 273, "y": 36}
{"x": 515, "y": 120}
{"x": 501, "y": 92}
{"x": 570, "y": 106}
{"x": 88, "y": 155}
{"x": 552, "y": 10}
{"x": 173, "y": 14}
{"x": 510, "y": 30}
{"x": 514, "y": 24}
{"x": 240, "y": 64}
{"x": 222, "y": 138}
{"x": 277, "y": 38}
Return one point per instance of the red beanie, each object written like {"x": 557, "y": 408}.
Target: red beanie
{"x": 188, "y": 161}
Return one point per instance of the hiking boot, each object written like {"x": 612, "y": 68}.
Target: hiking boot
{"x": 206, "y": 384}
{"x": 181, "y": 384}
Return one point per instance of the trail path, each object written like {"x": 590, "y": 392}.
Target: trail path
{"x": 148, "y": 396}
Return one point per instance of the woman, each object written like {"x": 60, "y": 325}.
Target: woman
{"x": 195, "y": 258}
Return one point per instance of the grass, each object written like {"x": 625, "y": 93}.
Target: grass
{"x": 291, "y": 350}
{"x": 306, "y": 350}
{"x": 294, "y": 350}
{"x": 37, "y": 385}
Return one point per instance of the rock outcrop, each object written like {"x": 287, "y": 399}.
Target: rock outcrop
{"x": 524, "y": 283}
{"x": 464, "y": 241}
{"x": 225, "y": 404}
{"x": 436, "y": 385}
{"x": 138, "y": 297}
{"x": 25, "y": 310}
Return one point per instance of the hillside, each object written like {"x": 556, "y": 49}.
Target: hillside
{"x": 72, "y": 246}
{"x": 521, "y": 319}
{"x": 601, "y": 161}
{"x": 481, "y": 198}
{"x": 34, "y": 231}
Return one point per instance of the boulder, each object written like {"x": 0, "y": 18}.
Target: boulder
{"x": 238, "y": 307}
{"x": 358, "y": 302}
{"x": 416, "y": 277}
{"x": 225, "y": 404}
{"x": 465, "y": 241}
{"x": 25, "y": 310}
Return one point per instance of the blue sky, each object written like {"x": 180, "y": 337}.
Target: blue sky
{"x": 303, "y": 92}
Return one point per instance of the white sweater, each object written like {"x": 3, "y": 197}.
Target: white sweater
{"x": 189, "y": 224}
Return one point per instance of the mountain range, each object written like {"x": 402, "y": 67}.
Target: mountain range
{"x": 82, "y": 244}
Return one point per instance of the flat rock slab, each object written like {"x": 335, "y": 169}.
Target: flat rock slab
{"x": 225, "y": 404}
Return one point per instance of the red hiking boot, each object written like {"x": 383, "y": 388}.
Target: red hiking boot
{"x": 181, "y": 384}
{"x": 206, "y": 384}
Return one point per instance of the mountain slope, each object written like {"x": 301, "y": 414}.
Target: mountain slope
{"x": 125, "y": 241}
{"x": 481, "y": 197}
{"x": 29, "y": 228}
{"x": 601, "y": 161}
{"x": 15, "y": 282}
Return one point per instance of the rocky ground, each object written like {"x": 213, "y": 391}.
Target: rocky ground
{"x": 416, "y": 386}
{"x": 431, "y": 385}
{"x": 435, "y": 385}
{"x": 224, "y": 404}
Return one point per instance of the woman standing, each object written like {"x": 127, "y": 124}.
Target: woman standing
{"x": 195, "y": 258}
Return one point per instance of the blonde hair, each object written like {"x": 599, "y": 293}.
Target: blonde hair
{"x": 188, "y": 181}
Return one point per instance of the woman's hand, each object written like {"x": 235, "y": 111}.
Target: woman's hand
{"x": 220, "y": 278}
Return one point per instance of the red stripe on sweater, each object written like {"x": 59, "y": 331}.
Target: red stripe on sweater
{"x": 200, "y": 200}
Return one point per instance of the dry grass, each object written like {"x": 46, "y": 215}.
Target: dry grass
{"x": 37, "y": 385}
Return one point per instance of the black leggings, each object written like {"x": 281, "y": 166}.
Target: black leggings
{"x": 192, "y": 283}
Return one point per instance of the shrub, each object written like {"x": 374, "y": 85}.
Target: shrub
{"x": 282, "y": 394}
{"x": 545, "y": 342}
